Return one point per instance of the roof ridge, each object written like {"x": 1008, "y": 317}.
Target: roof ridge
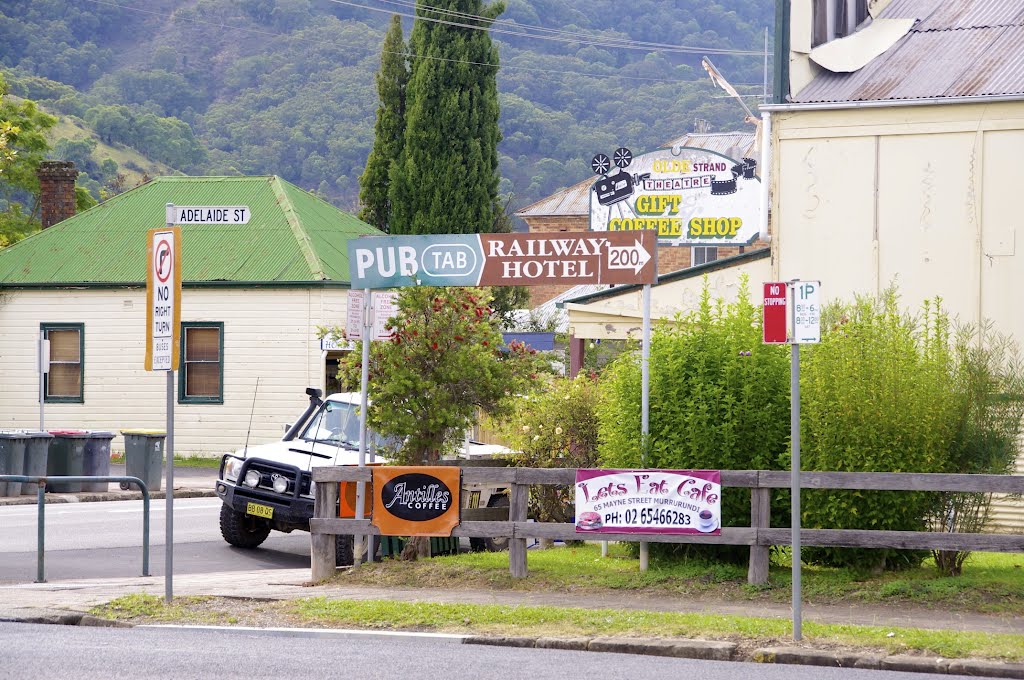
{"x": 305, "y": 245}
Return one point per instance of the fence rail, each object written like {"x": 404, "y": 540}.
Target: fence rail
{"x": 325, "y": 525}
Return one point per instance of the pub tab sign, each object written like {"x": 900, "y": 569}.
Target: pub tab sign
{"x": 689, "y": 196}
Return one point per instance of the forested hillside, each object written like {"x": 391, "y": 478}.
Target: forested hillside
{"x": 287, "y": 86}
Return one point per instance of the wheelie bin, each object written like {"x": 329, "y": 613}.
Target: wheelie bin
{"x": 12, "y": 460}
{"x": 37, "y": 451}
{"x": 67, "y": 457}
{"x": 97, "y": 459}
{"x": 143, "y": 456}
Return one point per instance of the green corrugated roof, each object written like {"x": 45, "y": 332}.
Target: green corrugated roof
{"x": 292, "y": 236}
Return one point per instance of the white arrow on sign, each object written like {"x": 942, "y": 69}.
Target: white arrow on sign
{"x": 628, "y": 257}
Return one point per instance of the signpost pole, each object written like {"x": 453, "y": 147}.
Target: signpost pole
{"x": 645, "y": 401}
{"x": 169, "y": 452}
{"x": 794, "y": 433}
{"x": 364, "y": 380}
{"x": 44, "y": 363}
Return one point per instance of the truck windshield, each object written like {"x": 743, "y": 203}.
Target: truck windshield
{"x": 335, "y": 423}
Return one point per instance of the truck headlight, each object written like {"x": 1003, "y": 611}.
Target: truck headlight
{"x": 280, "y": 483}
{"x": 232, "y": 467}
{"x": 252, "y": 478}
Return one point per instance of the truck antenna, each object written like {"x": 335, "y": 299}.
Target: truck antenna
{"x": 245, "y": 451}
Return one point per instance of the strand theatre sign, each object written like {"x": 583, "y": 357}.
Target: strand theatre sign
{"x": 503, "y": 259}
{"x": 163, "y": 298}
{"x": 690, "y": 196}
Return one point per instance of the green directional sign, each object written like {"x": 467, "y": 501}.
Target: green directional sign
{"x": 503, "y": 259}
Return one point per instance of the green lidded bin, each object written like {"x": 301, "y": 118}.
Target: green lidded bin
{"x": 12, "y": 460}
{"x": 37, "y": 451}
{"x": 66, "y": 457}
{"x": 144, "y": 455}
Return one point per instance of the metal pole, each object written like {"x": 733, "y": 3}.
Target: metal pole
{"x": 364, "y": 401}
{"x": 794, "y": 434}
{"x": 41, "y": 533}
{"x": 42, "y": 378}
{"x": 645, "y": 402}
{"x": 145, "y": 528}
{"x": 764, "y": 95}
{"x": 169, "y": 542}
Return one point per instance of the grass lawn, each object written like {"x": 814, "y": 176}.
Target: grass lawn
{"x": 992, "y": 583}
{"x": 182, "y": 461}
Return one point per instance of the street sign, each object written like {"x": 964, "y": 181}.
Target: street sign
{"x": 208, "y": 214}
{"x": 530, "y": 259}
{"x": 806, "y": 311}
{"x": 774, "y": 311}
{"x": 383, "y": 307}
{"x": 163, "y": 298}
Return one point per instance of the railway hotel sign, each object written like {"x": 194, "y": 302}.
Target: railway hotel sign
{"x": 689, "y": 196}
{"x": 503, "y": 259}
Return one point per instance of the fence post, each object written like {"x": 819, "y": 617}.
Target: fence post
{"x": 760, "y": 518}
{"x": 322, "y": 546}
{"x": 519, "y": 498}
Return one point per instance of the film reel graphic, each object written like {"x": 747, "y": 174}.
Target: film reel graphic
{"x": 613, "y": 187}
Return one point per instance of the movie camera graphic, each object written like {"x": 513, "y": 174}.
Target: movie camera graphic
{"x": 613, "y": 187}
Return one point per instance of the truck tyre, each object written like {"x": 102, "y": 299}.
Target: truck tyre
{"x": 497, "y": 544}
{"x": 240, "y": 530}
{"x": 344, "y": 549}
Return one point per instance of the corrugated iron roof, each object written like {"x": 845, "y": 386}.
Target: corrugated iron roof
{"x": 292, "y": 236}
{"x": 957, "y": 48}
{"x": 576, "y": 199}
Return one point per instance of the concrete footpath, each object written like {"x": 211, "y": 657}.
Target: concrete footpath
{"x": 67, "y": 602}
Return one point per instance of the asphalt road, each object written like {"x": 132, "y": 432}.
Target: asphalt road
{"x": 83, "y": 653}
{"x": 94, "y": 540}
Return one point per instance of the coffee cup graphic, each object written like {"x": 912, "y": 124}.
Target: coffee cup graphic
{"x": 706, "y": 520}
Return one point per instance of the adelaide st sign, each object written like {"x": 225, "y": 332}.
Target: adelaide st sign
{"x": 504, "y": 259}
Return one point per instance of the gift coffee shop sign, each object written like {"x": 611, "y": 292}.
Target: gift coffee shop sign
{"x": 689, "y": 196}
{"x": 648, "y": 501}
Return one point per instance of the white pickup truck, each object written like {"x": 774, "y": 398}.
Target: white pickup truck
{"x": 270, "y": 486}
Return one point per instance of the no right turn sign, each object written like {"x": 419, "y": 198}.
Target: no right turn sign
{"x": 163, "y": 298}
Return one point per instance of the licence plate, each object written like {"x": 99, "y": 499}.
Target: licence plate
{"x": 259, "y": 510}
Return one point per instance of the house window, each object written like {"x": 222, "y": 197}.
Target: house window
{"x": 836, "y": 19}
{"x": 202, "y": 363}
{"x": 703, "y": 255}
{"x": 63, "y": 382}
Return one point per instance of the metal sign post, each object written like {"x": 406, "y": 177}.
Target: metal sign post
{"x": 163, "y": 323}
{"x": 645, "y": 402}
{"x": 364, "y": 400}
{"x": 805, "y": 322}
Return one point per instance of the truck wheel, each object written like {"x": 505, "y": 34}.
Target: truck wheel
{"x": 497, "y": 544}
{"x": 344, "y": 549}
{"x": 240, "y": 530}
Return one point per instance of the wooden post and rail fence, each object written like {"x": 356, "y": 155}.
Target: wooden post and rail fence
{"x": 760, "y": 536}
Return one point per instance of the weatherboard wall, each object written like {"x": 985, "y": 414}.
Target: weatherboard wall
{"x": 268, "y": 333}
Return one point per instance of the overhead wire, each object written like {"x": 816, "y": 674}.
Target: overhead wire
{"x": 530, "y": 69}
{"x": 585, "y": 41}
{"x": 572, "y": 36}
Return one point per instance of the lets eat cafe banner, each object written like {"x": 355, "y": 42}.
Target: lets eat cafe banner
{"x": 649, "y": 501}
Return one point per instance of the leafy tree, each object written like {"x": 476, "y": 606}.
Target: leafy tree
{"x": 389, "y": 130}
{"x": 446, "y": 180}
{"x": 442, "y": 365}
{"x": 23, "y": 128}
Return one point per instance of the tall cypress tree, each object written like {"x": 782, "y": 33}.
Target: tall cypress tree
{"x": 388, "y": 131}
{"x": 446, "y": 180}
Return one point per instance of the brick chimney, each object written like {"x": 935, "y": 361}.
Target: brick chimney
{"x": 56, "y": 191}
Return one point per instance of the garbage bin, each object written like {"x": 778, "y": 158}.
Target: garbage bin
{"x": 12, "y": 460}
{"x": 67, "y": 457}
{"x": 97, "y": 459}
{"x": 143, "y": 456}
{"x": 37, "y": 450}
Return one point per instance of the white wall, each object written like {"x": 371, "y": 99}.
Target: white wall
{"x": 268, "y": 333}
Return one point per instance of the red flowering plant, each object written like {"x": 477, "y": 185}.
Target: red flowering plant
{"x": 443, "y": 364}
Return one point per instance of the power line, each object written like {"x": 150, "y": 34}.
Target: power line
{"x": 274, "y": 34}
{"x": 572, "y": 36}
{"x": 585, "y": 41}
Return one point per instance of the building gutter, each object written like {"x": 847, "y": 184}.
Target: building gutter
{"x": 892, "y": 103}
{"x": 106, "y": 285}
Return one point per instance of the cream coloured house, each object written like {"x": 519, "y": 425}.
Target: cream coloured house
{"x": 896, "y": 155}
{"x": 252, "y": 298}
